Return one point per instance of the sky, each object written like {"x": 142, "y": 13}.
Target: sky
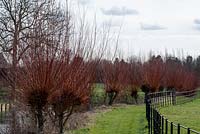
{"x": 151, "y": 25}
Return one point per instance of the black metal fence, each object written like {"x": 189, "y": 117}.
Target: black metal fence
{"x": 157, "y": 123}
{"x": 4, "y": 112}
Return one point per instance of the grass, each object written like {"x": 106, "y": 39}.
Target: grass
{"x": 3, "y": 94}
{"x": 98, "y": 96}
{"x": 120, "y": 120}
{"x": 126, "y": 120}
{"x": 187, "y": 114}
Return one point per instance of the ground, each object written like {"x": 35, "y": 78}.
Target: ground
{"x": 127, "y": 119}
{"x": 187, "y": 114}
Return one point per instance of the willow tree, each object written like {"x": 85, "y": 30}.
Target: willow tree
{"x": 78, "y": 78}
{"x": 153, "y": 73}
{"x": 18, "y": 20}
{"x": 135, "y": 77}
{"x": 74, "y": 92}
{"x": 178, "y": 76}
{"x": 115, "y": 78}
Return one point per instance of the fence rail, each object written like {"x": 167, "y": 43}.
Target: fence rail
{"x": 157, "y": 123}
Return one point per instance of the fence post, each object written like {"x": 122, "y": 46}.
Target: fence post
{"x": 159, "y": 123}
{"x": 188, "y": 132}
{"x": 148, "y": 105}
{"x": 174, "y": 97}
{"x": 171, "y": 128}
{"x": 162, "y": 125}
{"x": 171, "y": 100}
{"x": 148, "y": 108}
{"x": 154, "y": 121}
{"x": 146, "y": 99}
{"x": 1, "y": 113}
{"x": 166, "y": 98}
{"x": 162, "y": 98}
{"x": 166, "y": 126}
{"x": 151, "y": 119}
{"x": 179, "y": 129}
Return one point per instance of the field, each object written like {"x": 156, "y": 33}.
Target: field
{"x": 98, "y": 96}
{"x": 120, "y": 120}
{"x": 187, "y": 114}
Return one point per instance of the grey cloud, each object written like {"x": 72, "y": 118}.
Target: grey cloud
{"x": 197, "y": 21}
{"x": 197, "y": 24}
{"x": 117, "y": 11}
{"x": 84, "y": 2}
{"x": 152, "y": 27}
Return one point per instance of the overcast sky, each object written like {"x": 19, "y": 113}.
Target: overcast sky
{"x": 154, "y": 25}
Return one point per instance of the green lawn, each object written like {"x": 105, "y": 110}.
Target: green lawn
{"x": 121, "y": 120}
{"x": 187, "y": 114}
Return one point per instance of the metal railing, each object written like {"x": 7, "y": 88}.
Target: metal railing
{"x": 4, "y": 111}
{"x": 157, "y": 123}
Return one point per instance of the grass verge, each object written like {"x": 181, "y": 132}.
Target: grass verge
{"x": 120, "y": 120}
{"x": 187, "y": 114}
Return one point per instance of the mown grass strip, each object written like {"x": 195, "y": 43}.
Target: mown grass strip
{"x": 125, "y": 120}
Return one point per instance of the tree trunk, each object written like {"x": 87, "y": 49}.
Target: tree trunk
{"x": 136, "y": 98}
{"x": 112, "y": 97}
{"x": 105, "y": 98}
{"x": 60, "y": 123}
{"x": 13, "y": 92}
{"x": 40, "y": 121}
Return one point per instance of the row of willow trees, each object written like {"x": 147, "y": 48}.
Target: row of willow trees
{"x": 54, "y": 83}
{"x": 156, "y": 74}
